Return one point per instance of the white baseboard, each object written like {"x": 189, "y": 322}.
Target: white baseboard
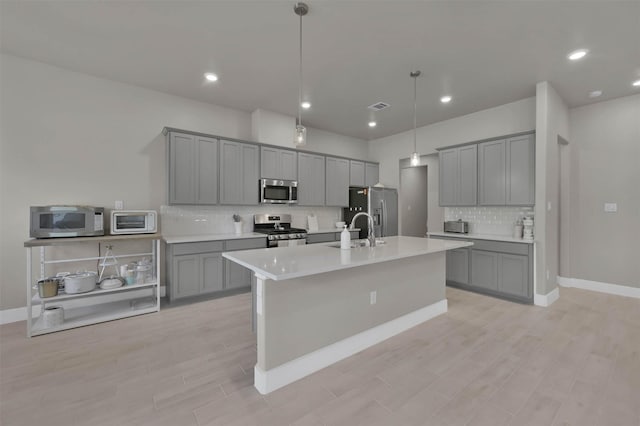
{"x": 20, "y": 314}
{"x": 546, "y": 299}
{"x": 618, "y": 290}
{"x": 270, "y": 380}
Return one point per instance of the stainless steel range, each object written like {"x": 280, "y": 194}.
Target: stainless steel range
{"x": 279, "y": 231}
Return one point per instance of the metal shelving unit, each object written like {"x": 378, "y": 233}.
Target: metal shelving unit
{"x": 98, "y": 305}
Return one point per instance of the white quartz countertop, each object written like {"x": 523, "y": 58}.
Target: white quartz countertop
{"x": 481, "y": 237}
{"x": 176, "y": 239}
{"x": 330, "y": 230}
{"x": 284, "y": 263}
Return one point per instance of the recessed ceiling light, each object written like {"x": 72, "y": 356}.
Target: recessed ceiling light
{"x": 211, "y": 76}
{"x": 306, "y": 105}
{"x": 636, "y": 83}
{"x": 595, "y": 93}
{"x": 446, "y": 99}
{"x": 372, "y": 124}
{"x": 577, "y": 54}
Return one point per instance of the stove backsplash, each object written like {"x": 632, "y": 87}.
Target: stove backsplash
{"x": 195, "y": 220}
{"x": 488, "y": 220}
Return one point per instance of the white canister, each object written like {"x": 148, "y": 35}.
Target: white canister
{"x": 53, "y": 316}
{"x": 238, "y": 227}
{"x": 345, "y": 239}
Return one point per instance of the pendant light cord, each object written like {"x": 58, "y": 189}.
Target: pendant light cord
{"x": 300, "y": 78}
{"x": 415, "y": 107}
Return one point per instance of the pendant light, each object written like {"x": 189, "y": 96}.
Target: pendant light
{"x": 300, "y": 135}
{"x": 415, "y": 158}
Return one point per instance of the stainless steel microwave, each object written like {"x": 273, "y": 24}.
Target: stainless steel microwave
{"x": 134, "y": 222}
{"x": 66, "y": 221}
{"x": 276, "y": 191}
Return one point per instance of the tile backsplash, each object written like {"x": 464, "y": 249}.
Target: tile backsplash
{"x": 488, "y": 220}
{"x": 194, "y": 220}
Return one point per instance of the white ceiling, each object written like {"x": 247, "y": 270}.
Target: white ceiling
{"x": 483, "y": 53}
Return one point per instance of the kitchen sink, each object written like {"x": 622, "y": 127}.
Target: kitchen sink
{"x": 359, "y": 243}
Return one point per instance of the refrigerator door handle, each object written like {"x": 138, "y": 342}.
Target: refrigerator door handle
{"x": 384, "y": 218}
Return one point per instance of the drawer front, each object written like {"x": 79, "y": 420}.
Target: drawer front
{"x": 321, "y": 238}
{"x": 195, "y": 248}
{"x": 501, "y": 246}
{"x": 245, "y": 244}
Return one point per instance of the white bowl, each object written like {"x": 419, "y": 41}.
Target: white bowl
{"x": 340, "y": 224}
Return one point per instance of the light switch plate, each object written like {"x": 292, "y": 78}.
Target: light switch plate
{"x": 119, "y": 204}
{"x": 610, "y": 207}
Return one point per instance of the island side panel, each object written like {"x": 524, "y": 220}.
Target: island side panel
{"x": 301, "y": 315}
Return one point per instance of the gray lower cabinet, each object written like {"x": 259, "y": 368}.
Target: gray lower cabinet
{"x": 337, "y": 182}
{"x": 498, "y": 268}
{"x": 484, "y": 269}
{"x": 193, "y": 169}
{"x": 356, "y": 173}
{"x": 371, "y": 174}
{"x": 198, "y": 269}
{"x": 458, "y": 265}
{"x": 239, "y": 166}
{"x": 311, "y": 179}
{"x": 327, "y": 237}
{"x": 278, "y": 163}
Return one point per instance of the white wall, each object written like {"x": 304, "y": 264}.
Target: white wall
{"x": 506, "y": 119}
{"x": 605, "y": 168}
{"x": 552, "y": 120}
{"x": 71, "y": 138}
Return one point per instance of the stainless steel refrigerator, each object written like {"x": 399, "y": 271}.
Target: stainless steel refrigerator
{"x": 380, "y": 203}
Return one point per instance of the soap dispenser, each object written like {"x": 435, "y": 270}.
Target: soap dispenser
{"x": 345, "y": 239}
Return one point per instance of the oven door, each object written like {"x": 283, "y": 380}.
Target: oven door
{"x": 291, "y": 243}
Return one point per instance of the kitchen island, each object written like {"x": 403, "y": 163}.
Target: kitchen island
{"x": 318, "y": 304}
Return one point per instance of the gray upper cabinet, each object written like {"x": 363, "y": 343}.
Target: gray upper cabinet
{"x": 193, "y": 169}
{"x": 520, "y": 170}
{"x": 356, "y": 173}
{"x": 337, "y": 182}
{"x": 278, "y": 163}
{"x": 492, "y": 177}
{"x": 458, "y": 176}
{"x": 371, "y": 174}
{"x": 311, "y": 179}
{"x": 239, "y": 164}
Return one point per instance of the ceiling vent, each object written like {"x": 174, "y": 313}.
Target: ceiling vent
{"x": 378, "y": 106}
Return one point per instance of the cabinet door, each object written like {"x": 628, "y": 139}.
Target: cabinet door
{"x": 250, "y": 162}
{"x": 321, "y": 238}
{"x": 211, "y": 272}
{"x": 356, "y": 173}
{"x": 520, "y": 170}
{"x": 448, "y": 182}
{"x": 231, "y": 173}
{"x": 186, "y": 277}
{"x": 491, "y": 160}
{"x": 207, "y": 170}
{"x": 337, "y": 182}
{"x": 236, "y": 276}
{"x": 182, "y": 188}
{"x": 458, "y": 265}
{"x": 371, "y": 174}
{"x": 289, "y": 164}
{"x": 513, "y": 274}
{"x": 311, "y": 180}
{"x": 467, "y": 175}
{"x": 484, "y": 269}
{"x": 269, "y": 158}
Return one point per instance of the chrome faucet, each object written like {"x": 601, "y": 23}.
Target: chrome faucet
{"x": 371, "y": 237}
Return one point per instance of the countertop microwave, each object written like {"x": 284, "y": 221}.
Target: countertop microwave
{"x": 278, "y": 191}
{"x": 134, "y": 222}
{"x": 66, "y": 221}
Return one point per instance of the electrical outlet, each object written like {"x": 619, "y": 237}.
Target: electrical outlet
{"x": 119, "y": 204}
{"x": 610, "y": 207}
{"x": 373, "y": 297}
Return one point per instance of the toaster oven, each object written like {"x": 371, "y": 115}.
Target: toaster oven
{"x": 133, "y": 222}
{"x": 457, "y": 226}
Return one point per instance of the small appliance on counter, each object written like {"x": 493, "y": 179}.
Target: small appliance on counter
{"x": 134, "y": 222}
{"x": 66, "y": 221}
{"x": 456, "y": 226}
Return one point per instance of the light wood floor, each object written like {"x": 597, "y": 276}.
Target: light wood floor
{"x": 485, "y": 362}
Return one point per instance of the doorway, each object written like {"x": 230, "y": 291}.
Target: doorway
{"x": 413, "y": 201}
